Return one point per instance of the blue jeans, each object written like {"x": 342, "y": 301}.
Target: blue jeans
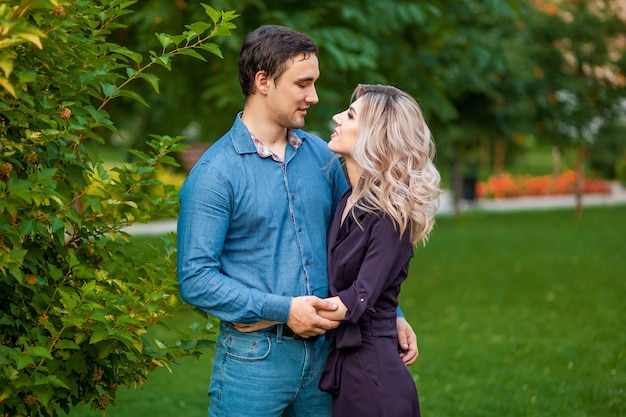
{"x": 267, "y": 375}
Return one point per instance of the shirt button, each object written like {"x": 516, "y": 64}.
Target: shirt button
{"x": 299, "y": 230}
{"x": 293, "y": 197}
{"x": 362, "y": 299}
{"x": 307, "y": 262}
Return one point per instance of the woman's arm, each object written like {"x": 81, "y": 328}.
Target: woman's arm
{"x": 338, "y": 314}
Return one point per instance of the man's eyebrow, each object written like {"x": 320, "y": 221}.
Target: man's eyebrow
{"x": 305, "y": 79}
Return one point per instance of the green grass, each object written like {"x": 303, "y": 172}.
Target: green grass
{"x": 517, "y": 314}
{"x": 521, "y": 314}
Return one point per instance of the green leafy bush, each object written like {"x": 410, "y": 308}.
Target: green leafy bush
{"x": 77, "y": 294}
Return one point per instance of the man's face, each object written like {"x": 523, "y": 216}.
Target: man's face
{"x": 294, "y": 92}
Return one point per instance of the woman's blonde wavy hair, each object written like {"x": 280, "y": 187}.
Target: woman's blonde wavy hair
{"x": 395, "y": 150}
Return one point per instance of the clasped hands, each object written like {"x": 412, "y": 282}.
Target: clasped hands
{"x": 310, "y": 316}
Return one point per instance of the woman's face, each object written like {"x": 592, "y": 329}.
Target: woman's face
{"x": 343, "y": 138}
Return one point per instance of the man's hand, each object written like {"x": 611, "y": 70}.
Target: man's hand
{"x": 304, "y": 319}
{"x": 407, "y": 341}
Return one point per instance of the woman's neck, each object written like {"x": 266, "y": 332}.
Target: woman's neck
{"x": 353, "y": 170}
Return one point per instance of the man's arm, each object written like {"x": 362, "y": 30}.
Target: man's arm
{"x": 203, "y": 223}
{"x": 308, "y": 316}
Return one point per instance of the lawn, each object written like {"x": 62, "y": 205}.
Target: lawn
{"x": 517, "y": 314}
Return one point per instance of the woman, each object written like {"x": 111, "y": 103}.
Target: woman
{"x": 390, "y": 207}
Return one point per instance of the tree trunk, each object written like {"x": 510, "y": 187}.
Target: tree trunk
{"x": 485, "y": 154}
{"x": 556, "y": 161}
{"x": 499, "y": 156}
{"x": 579, "y": 179}
{"x": 457, "y": 182}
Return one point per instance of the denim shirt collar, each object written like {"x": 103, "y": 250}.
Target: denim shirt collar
{"x": 242, "y": 138}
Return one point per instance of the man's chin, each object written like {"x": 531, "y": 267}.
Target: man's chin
{"x": 297, "y": 124}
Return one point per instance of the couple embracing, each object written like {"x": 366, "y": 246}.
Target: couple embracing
{"x": 302, "y": 266}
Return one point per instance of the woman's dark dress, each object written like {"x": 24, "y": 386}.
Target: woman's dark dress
{"x": 366, "y": 266}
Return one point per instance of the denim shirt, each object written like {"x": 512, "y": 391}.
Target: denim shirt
{"x": 252, "y": 231}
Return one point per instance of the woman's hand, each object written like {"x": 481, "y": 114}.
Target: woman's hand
{"x": 338, "y": 314}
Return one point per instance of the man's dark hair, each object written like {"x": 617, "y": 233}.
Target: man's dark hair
{"x": 268, "y": 48}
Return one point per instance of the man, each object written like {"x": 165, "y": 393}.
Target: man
{"x": 252, "y": 238}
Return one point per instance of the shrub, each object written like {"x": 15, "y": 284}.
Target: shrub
{"x": 77, "y": 294}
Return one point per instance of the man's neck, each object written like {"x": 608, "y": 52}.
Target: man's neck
{"x": 262, "y": 128}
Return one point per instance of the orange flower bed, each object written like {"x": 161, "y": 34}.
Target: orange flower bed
{"x": 507, "y": 185}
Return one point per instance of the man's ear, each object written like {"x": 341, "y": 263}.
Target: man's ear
{"x": 262, "y": 82}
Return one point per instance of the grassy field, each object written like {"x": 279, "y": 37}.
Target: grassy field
{"x": 518, "y": 314}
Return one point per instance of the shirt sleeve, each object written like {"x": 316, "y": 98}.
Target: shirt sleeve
{"x": 387, "y": 254}
{"x": 205, "y": 208}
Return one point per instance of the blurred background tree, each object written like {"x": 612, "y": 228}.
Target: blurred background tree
{"x": 487, "y": 72}
{"x": 581, "y": 99}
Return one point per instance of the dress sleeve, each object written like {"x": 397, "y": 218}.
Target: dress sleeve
{"x": 387, "y": 254}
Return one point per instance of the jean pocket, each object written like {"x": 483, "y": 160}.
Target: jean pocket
{"x": 248, "y": 349}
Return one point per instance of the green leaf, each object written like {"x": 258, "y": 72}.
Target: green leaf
{"x": 179, "y": 38}
{"x": 20, "y": 189}
{"x": 38, "y": 351}
{"x": 22, "y": 360}
{"x": 18, "y": 255}
{"x": 6, "y": 65}
{"x": 212, "y": 13}
{"x": 133, "y": 95}
{"x": 66, "y": 344}
{"x": 97, "y": 336}
{"x": 105, "y": 348}
{"x": 152, "y": 79}
{"x": 43, "y": 393}
{"x": 4, "y": 82}
{"x": 224, "y": 29}
{"x": 55, "y": 381}
{"x": 228, "y": 16}
{"x": 190, "y": 35}
{"x": 160, "y": 344}
{"x": 136, "y": 57}
{"x": 164, "y": 39}
{"x": 164, "y": 60}
{"x": 212, "y": 48}
{"x": 108, "y": 89}
{"x": 199, "y": 27}
{"x": 191, "y": 52}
